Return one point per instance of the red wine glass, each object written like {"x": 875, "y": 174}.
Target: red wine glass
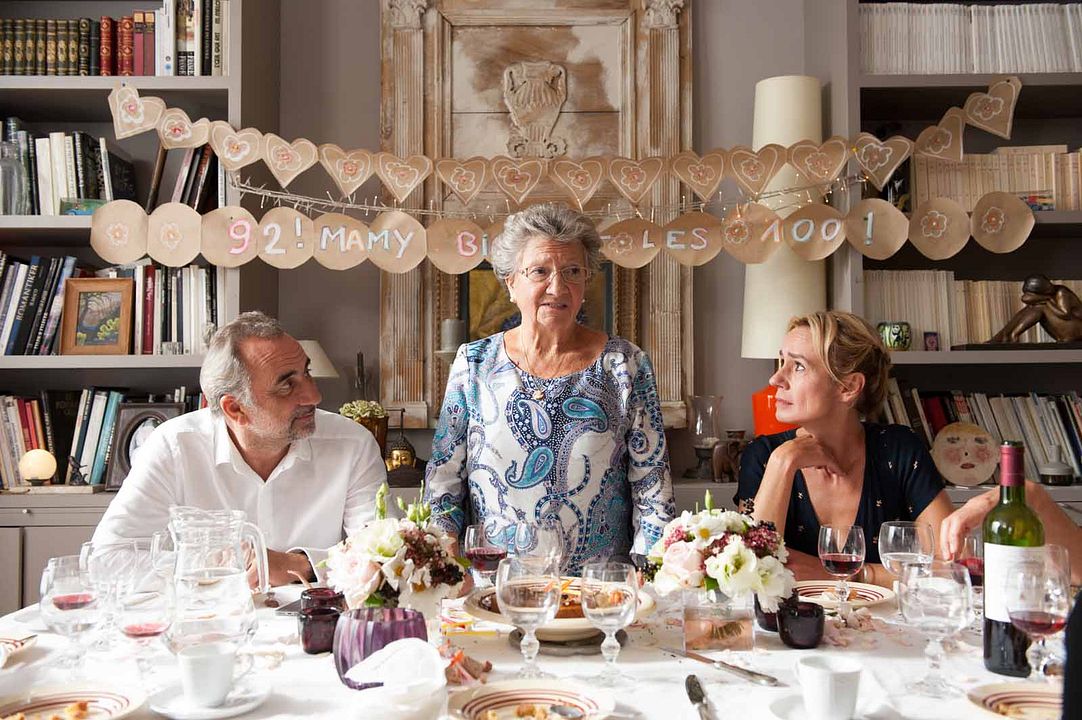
{"x": 1038, "y": 600}
{"x": 841, "y": 550}
{"x": 70, "y": 605}
{"x": 483, "y": 546}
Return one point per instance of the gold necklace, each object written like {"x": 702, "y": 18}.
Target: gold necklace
{"x": 539, "y": 392}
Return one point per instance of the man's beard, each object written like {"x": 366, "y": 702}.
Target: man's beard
{"x": 302, "y": 425}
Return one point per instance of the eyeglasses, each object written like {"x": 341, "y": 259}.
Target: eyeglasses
{"x": 572, "y": 274}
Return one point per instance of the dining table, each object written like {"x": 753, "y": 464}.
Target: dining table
{"x": 303, "y": 685}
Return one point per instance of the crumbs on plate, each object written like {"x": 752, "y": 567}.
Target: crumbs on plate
{"x": 75, "y": 711}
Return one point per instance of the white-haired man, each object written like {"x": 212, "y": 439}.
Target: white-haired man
{"x": 306, "y": 477}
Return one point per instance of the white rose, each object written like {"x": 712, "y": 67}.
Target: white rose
{"x": 735, "y": 569}
{"x": 776, "y": 582}
{"x": 380, "y": 539}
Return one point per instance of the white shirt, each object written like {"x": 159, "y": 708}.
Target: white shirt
{"x": 322, "y": 490}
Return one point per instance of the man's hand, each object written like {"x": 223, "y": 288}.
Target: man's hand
{"x": 955, "y": 527}
{"x": 279, "y": 565}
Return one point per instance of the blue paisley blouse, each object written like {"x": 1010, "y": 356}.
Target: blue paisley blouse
{"x": 590, "y": 455}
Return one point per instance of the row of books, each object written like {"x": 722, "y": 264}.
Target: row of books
{"x": 944, "y": 38}
{"x": 1048, "y": 425}
{"x": 200, "y": 181}
{"x": 182, "y": 37}
{"x": 67, "y": 167}
{"x": 77, "y": 427}
{"x": 1047, "y": 177}
{"x": 960, "y": 311}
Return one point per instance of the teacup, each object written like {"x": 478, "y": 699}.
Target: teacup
{"x": 208, "y": 672}
{"x": 829, "y": 685}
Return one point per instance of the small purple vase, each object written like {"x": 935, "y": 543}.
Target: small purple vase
{"x": 359, "y": 633}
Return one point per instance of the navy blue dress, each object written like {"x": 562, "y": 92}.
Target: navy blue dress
{"x": 900, "y": 480}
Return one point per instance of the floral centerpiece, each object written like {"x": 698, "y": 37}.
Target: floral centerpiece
{"x": 408, "y": 562}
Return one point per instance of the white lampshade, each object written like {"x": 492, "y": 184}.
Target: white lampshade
{"x": 321, "y": 366}
{"x": 787, "y": 109}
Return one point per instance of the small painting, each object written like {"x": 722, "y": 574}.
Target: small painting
{"x": 931, "y": 341}
{"x": 97, "y": 316}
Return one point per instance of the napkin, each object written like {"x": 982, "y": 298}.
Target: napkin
{"x": 873, "y": 701}
{"x": 414, "y": 686}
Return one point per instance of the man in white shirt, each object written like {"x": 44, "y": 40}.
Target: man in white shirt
{"x": 306, "y": 477}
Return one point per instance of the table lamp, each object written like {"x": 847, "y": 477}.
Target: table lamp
{"x": 321, "y": 365}
{"x": 787, "y": 109}
{"x": 37, "y": 467}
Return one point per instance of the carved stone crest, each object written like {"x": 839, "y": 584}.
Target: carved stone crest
{"x": 662, "y": 13}
{"x": 406, "y": 14}
{"x": 534, "y": 92}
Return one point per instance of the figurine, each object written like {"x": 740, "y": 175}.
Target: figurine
{"x": 1055, "y": 307}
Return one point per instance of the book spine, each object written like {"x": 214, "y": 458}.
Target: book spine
{"x": 41, "y": 306}
{"x": 40, "y": 46}
{"x": 62, "y": 36}
{"x": 69, "y": 167}
{"x": 150, "y": 55}
{"x": 30, "y": 52}
{"x": 80, "y": 165}
{"x": 52, "y": 60}
{"x": 47, "y": 422}
{"x": 167, "y": 31}
{"x": 84, "y": 46}
{"x": 95, "y": 48}
{"x": 126, "y": 46}
{"x": 207, "y": 33}
{"x": 138, "y": 42}
{"x": 73, "y": 47}
{"x": 156, "y": 180}
{"x": 7, "y": 46}
{"x": 148, "y": 309}
{"x": 18, "y": 47}
{"x": 106, "y": 174}
{"x": 216, "y": 38}
{"x": 14, "y": 345}
{"x": 106, "y": 46}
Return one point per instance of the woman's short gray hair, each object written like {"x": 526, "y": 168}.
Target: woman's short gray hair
{"x": 224, "y": 372}
{"x": 554, "y": 221}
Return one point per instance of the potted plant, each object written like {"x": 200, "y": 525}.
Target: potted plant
{"x": 370, "y": 414}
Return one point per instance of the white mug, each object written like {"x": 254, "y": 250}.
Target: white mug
{"x": 208, "y": 671}
{"x": 830, "y": 686}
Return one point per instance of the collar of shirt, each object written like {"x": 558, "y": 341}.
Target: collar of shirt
{"x": 226, "y": 453}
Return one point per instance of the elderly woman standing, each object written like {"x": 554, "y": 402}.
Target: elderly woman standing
{"x": 552, "y": 422}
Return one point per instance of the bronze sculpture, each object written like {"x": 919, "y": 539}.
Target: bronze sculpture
{"x": 1055, "y": 307}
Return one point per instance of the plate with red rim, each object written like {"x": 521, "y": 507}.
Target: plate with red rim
{"x": 825, "y": 592}
{"x": 103, "y": 702}
{"x": 504, "y": 698}
{"x": 1021, "y": 700}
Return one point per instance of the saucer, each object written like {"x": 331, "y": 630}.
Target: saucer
{"x": 791, "y": 707}
{"x": 245, "y": 696}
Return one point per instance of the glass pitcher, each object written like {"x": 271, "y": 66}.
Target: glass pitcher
{"x": 13, "y": 186}
{"x": 213, "y": 601}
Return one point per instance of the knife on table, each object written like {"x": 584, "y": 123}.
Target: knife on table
{"x": 697, "y": 697}
{"x": 755, "y": 677}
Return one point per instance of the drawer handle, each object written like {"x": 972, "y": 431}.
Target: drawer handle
{"x": 26, "y": 511}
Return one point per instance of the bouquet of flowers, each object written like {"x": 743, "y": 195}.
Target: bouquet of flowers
{"x": 390, "y": 563}
{"x": 721, "y": 550}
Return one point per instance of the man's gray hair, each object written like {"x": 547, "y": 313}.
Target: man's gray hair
{"x": 224, "y": 372}
{"x": 554, "y": 221}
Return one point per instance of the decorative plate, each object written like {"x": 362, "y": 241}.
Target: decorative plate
{"x": 14, "y": 646}
{"x": 103, "y": 702}
{"x": 825, "y": 592}
{"x": 480, "y": 602}
{"x": 505, "y": 697}
{"x": 1023, "y": 700}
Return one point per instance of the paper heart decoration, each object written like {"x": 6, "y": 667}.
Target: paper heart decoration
{"x": 132, "y": 114}
{"x": 880, "y": 158}
{"x": 994, "y": 110}
{"x": 349, "y": 169}
{"x": 819, "y": 163}
{"x": 580, "y": 179}
{"x": 176, "y": 130}
{"x": 465, "y": 178}
{"x": 943, "y": 140}
{"x": 634, "y": 178}
{"x": 287, "y": 160}
{"x": 702, "y": 174}
{"x": 402, "y": 176}
{"x": 235, "y": 148}
{"x": 753, "y": 170}
{"x": 517, "y": 178}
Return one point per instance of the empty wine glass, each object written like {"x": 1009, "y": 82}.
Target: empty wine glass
{"x": 609, "y": 592}
{"x": 528, "y": 592}
{"x": 841, "y": 550}
{"x": 1038, "y": 600}
{"x": 70, "y": 604}
{"x": 936, "y": 599}
{"x": 484, "y": 546}
{"x": 540, "y": 539}
{"x": 144, "y": 613}
{"x": 904, "y": 541}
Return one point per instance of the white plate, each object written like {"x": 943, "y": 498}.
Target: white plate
{"x": 505, "y": 697}
{"x": 246, "y": 696}
{"x": 1023, "y": 700}
{"x": 824, "y": 592}
{"x": 560, "y": 629}
{"x": 106, "y": 702}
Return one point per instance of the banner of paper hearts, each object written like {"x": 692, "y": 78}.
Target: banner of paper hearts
{"x": 175, "y": 234}
{"x": 820, "y": 164}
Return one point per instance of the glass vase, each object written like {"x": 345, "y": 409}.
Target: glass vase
{"x": 714, "y": 621}
{"x": 361, "y": 632}
{"x": 13, "y": 183}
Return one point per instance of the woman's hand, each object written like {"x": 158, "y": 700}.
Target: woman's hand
{"x": 804, "y": 451}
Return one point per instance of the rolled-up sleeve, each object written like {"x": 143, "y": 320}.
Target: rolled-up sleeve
{"x": 446, "y": 475}
{"x": 648, "y": 461}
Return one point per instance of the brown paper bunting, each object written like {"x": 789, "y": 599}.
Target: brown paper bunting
{"x": 235, "y": 148}
{"x": 287, "y": 160}
{"x": 944, "y": 140}
{"x": 176, "y": 130}
{"x": 993, "y": 111}
{"x": 341, "y": 241}
{"x": 876, "y": 228}
{"x": 516, "y": 178}
{"x": 815, "y": 231}
{"x": 702, "y": 174}
{"x": 579, "y": 179}
{"x": 287, "y": 239}
{"x": 118, "y": 232}
{"x": 632, "y": 243}
{"x": 132, "y": 114}
{"x": 753, "y": 170}
{"x": 690, "y": 240}
{"x": 456, "y": 246}
{"x": 880, "y": 158}
{"x": 348, "y": 168}
{"x": 1001, "y": 222}
{"x": 401, "y": 176}
{"x": 396, "y": 242}
{"x": 819, "y": 163}
{"x": 939, "y": 229}
{"x": 750, "y": 233}
{"x": 465, "y": 178}
{"x": 634, "y": 178}
{"x": 230, "y": 237}
{"x": 174, "y": 234}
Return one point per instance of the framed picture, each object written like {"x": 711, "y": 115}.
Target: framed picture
{"x": 134, "y": 424}
{"x": 97, "y": 316}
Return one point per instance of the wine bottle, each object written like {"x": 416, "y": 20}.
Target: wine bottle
{"x": 1012, "y": 534}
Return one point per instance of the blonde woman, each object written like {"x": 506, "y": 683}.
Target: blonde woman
{"x": 837, "y": 468}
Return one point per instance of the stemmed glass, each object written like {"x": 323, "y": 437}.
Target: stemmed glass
{"x": 1038, "y": 600}
{"x": 903, "y": 542}
{"x": 972, "y": 556}
{"x": 484, "y": 548}
{"x": 841, "y": 550}
{"x": 528, "y": 592}
{"x": 539, "y": 539}
{"x": 70, "y": 605}
{"x": 110, "y": 567}
{"x": 145, "y": 612}
{"x": 936, "y": 599}
{"x": 609, "y": 598}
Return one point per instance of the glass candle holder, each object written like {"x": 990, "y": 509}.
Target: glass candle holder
{"x": 800, "y": 624}
{"x": 317, "y": 629}
{"x": 323, "y": 597}
{"x": 363, "y": 631}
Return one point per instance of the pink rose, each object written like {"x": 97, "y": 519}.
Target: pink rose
{"x": 681, "y": 567}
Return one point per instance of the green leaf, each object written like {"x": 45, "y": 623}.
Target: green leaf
{"x": 710, "y": 583}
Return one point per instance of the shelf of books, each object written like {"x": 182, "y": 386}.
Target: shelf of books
{"x": 93, "y": 362}
{"x": 981, "y": 357}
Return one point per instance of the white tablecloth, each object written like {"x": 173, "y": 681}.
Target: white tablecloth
{"x": 305, "y": 685}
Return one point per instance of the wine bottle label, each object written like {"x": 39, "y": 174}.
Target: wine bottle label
{"x": 1001, "y": 562}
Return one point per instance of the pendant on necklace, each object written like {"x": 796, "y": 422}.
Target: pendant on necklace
{"x": 539, "y": 394}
